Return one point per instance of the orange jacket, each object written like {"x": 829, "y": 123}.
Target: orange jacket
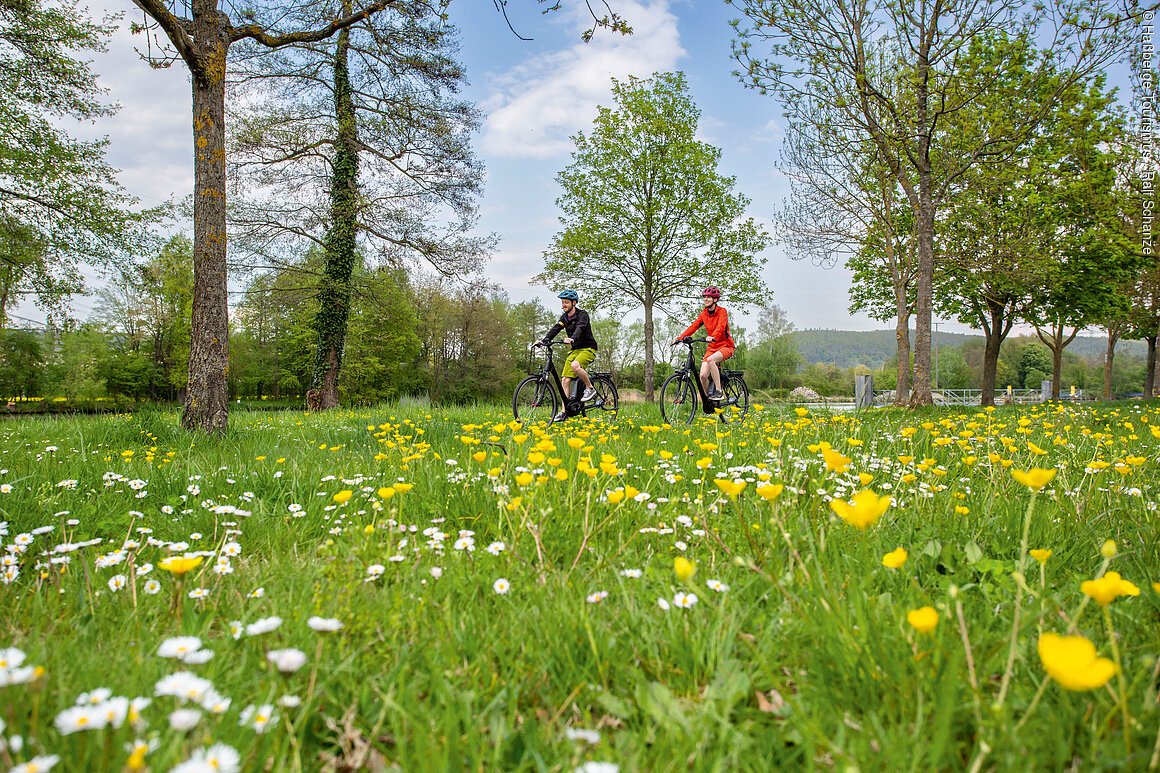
{"x": 716, "y": 324}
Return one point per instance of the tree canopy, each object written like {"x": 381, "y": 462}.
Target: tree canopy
{"x": 646, "y": 215}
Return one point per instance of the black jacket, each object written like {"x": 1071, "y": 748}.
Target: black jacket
{"x": 577, "y": 327}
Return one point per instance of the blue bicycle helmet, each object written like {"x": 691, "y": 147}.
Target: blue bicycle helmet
{"x": 569, "y": 295}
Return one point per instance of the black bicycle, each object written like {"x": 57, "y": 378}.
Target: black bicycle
{"x": 681, "y": 390}
{"x": 539, "y": 396}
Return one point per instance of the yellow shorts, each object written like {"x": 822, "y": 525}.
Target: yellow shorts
{"x": 583, "y": 356}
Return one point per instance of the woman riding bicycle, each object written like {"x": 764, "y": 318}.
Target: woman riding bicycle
{"x": 716, "y": 321}
{"x": 577, "y": 328}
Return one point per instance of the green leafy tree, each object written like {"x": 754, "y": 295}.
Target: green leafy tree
{"x": 359, "y": 165}
{"x": 772, "y": 359}
{"x": 21, "y": 364}
{"x": 1092, "y": 257}
{"x": 146, "y": 309}
{"x": 274, "y": 337}
{"x": 76, "y": 362}
{"x": 647, "y": 216}
{"x": 384, "y": 341}
{"x": 201, "y": 33}
{"x": 27, "y": 268}
{"x": 893, "y": 74}
{"x": 60, "y": 204}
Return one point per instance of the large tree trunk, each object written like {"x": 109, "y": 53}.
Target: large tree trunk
{"x": 1109, "y": 359}
{"x": 995, "y": 329}
{"x": 341, "y": 248}
{"x": 649, "y": 365}
{"x": 207, "y": 398}
{"x": 1150, "y": 367}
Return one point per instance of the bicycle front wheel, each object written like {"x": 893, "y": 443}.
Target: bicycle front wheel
{"x": 736, "y": 402}
{"x": 678, "y": 399}
{"x": 607, "y": 401}
{"x": 534, "y": 400}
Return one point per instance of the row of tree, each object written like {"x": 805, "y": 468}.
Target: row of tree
{"x": 418, "y": 335}
{"x": 965, "y": 157}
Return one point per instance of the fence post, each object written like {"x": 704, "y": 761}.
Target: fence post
{"x": 863, "y": 391}
{"x": 1045, "y": 390}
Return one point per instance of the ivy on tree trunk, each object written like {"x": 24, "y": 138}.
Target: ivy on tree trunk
{"x": 340, "y": 251}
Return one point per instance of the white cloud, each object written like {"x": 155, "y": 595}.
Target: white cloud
{"x": 150, "y": 139}
{"x": 536, "y": 106}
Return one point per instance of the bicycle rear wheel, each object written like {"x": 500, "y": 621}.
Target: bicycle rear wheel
{"x": 534, "y": 400}
{"x": 678, "y": 399}
{"x": 607, "y": 402}
{"x": 736, "y": 402}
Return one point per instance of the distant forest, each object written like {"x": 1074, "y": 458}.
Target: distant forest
{"x": 873, "y": 348}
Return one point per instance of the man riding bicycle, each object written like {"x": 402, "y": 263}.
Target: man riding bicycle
{"x": 716, "y": 321}
{"x": 577, "y": 329}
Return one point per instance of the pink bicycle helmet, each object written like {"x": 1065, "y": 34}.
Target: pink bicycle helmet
{"x": 712, "y": 292}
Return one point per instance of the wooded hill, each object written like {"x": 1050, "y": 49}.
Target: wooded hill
{"x": 872, "y": 348}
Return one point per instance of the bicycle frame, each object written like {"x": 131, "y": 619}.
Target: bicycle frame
{"x": 708, "y": 407}
{"x": 572, "y": 405}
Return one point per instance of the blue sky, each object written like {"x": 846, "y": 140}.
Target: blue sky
{"x": 535, "y": 95}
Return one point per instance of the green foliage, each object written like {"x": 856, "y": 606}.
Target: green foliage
{"x": 21, "y": 364}
{"x": 646, "y": 216}
{"x": 58, "y": 196}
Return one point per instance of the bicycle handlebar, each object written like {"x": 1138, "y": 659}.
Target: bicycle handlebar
{"x": 689, "y": 341}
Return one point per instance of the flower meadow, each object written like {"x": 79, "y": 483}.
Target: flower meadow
{"x": 410, "y": 589}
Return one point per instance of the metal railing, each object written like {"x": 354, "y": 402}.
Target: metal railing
{"x": 975, "y": 396}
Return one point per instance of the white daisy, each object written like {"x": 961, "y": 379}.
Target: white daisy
{"x": 324, "y": 624}
{"x": 287, "y": 661}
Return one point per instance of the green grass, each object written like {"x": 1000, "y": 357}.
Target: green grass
{"x": 806, "y": 661}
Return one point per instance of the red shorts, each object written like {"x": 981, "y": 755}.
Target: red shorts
{"x": 724, "y": 347}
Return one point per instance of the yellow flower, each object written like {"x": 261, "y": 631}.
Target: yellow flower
{"x": 865, "y": 478}
{"x": 731, "y": 487}
{"x": 343, "y": 495}
{"x": 895, "y": 558}
{"x": 1035, "y": 449}
{"x": 769, "y": 491}
{"x": 403, "y": 488}
{"x": 704, "y": 462}
{"x": 1072, "y": 661}
{"x": 386, "y": 492}
{"x": 962, "y": 510}
{"x": 1041, "y": 555}
{"x": 479, "y": 456}
{"x": 1034, "y": 479}
{"x": 835, "y": 460}
{"x": 684, "y": 568}
{"x": 180, "y": 564}
{"x": 1108, "y": 549}
{"x": 575, "y": 442}
{"x": 864, "y": 510}
{"x": 535, "y": 457}
{"x": 514, "y": 504}
{"x": 923, "y": 619}
{"x": 561, "y": 474}
{"x": 1108, "y": 588}
{"x": 1156, "y": 587}
{"x": 524, "y": 478}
